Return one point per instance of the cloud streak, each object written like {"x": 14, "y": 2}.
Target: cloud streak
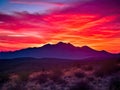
{"x": 27, "y": 29}
{"x": 90, "y": 22}
{"x": 50, "y": 1}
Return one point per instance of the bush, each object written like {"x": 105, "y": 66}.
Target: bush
{"x": 87, "y": 68}
{"x": 90, "y": 79}
{"x": 115, "y": 84}
{"x": 4, "y": 78}
{"x": 99, "y": 73}
{"x": 42, "y": 78}
{"x": 81, "y": 86}
{"x": 55, "y": 77}
{"x": 24, "y": 76}
{"x": 79, "y": 74}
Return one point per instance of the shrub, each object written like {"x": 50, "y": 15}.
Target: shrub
{"x": 4, "y": 78}
{"x": 81, "y": 86}
{"x": 99, "y": 73}
{"x": 115, "y": 84}
{"x": 11, "y": 85}
{"x": 57, "y": 79}
{"x": 90, "y": 79}
{"x": 56, "y": 75}
{"x": 42, "y": 78}
{"x": 24, "y": 76}
{"x": 87, "y": 68}
{"x": 79, "y": 74}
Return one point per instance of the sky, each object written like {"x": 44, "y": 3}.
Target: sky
{"x": 33, "y": 23}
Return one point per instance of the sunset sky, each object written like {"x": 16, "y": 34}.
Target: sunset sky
{"x": 33, "y": 23}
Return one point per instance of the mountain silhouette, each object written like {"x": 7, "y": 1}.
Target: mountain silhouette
{"x": 59, "y": 50}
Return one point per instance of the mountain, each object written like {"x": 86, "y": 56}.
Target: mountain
{"x": 59, "y": 50}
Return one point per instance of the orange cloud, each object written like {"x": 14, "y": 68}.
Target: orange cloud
{"x": 23, "y": 30}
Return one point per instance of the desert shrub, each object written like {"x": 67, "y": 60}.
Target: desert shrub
{"x": 99, "y": 73}
{"x": 14, "y": 77}
{"x": 17, "y": 87}
{"x": 42, "y": 78}
{"x": 79, "y": 74}
{"x": 61, "y": 81}
{"x": 108, "y": 68}
{"x": 58, "y": 80}
{"x": 32, "y": 86}
{"x": 116, "y": 68}
{"x": 4, "y": 78}
{"x": 77, "y": 65}
{"x": 12, "y": 86}
{"x": 87, "y": 68}
{"x": 24, "y": 76}
{"x": 90, "y": 79}
{"x": 56, "y": 73}
{"x": 81, "y": 86}
{"x": 114, "y": 83}
{"x": 56, "y": 77}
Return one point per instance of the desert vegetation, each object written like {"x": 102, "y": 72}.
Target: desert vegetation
{"x": 76, "y": 77}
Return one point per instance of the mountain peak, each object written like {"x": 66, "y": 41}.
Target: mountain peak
{"x": 64, "y": 44}
{"x": 85, "y": 47}
{"x": 59, "y": 50}
{"x": 47, "y": 45}
{"x": 61, "y": 43}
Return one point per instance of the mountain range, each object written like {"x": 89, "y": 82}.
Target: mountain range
{"x": 60, "y": 50}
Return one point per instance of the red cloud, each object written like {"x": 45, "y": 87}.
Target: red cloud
{"x": 101, "y": 7}
{"x": 22, "y": 30}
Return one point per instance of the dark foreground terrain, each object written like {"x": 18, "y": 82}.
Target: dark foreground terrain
{"x": 60, "y": 74}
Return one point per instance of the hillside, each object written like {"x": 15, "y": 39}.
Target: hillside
{"x": 60, "y": 50}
